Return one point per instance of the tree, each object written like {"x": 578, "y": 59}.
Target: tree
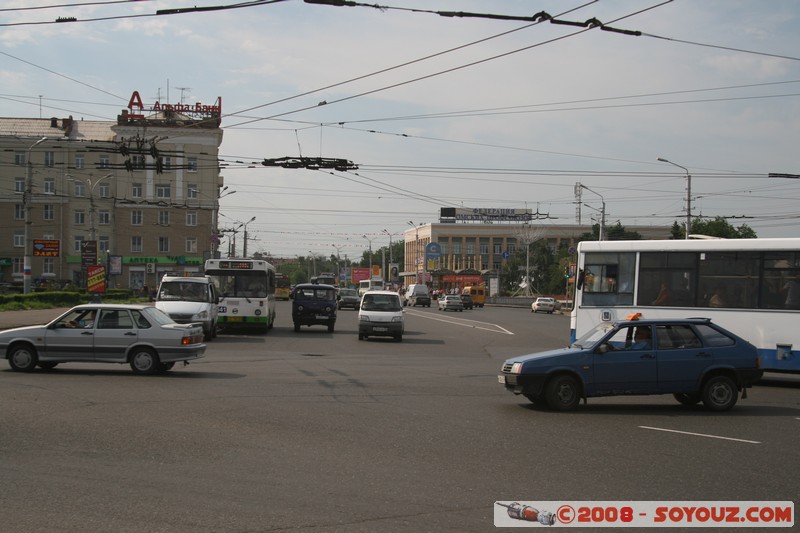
{"x": 720, "y": 227}
{"x": 616, "y": 232}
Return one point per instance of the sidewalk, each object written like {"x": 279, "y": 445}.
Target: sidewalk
{"x": 32, "y": 317}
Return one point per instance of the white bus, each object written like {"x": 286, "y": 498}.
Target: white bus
{"x": 246, "y": 288}
{"x": 374, "y": 284}
{"x": 749, "y": 286}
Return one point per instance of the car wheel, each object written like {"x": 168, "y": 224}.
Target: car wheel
{"x": 214, "y": 330}
{"x": 685, "y": 398}
{"x": 47, "y": 365}
{"x": 720, "y": 393}
{"x": 296, "y": 327}
{"x": 563, "y": 393}
{"x": 361, "y": 336}
{"x": 23, "y": 358}
{"x": 166, "y": 367}
{"x": 330, "y": 327}
{"x": 145, "y": 361}
{"x": 398, "y": 338}
{"x": 208, "y": 335}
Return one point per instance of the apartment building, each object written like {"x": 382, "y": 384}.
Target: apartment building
{"x": 139, "y": 195}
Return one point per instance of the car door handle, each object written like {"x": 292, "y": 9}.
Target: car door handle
{"x": 647, "y": 356}
{"x": 130, "y": 334}
{"x": 702, "y": 354}
{"x": 86, "y": 333}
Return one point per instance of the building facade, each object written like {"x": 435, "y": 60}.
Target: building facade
{"x": 139, "y": 196}
{"x": 471, "y": 251}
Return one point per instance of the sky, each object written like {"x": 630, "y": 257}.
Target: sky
{"x": 442, "y": 111}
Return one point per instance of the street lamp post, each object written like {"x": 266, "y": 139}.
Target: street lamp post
{"x": 244, "y": 246}
{"x": 313, "y": 261}
{"x": 688, "y": 194}
{"x": 602, "y": 212}
{"x": 370, "y": 254}
{"x": 391, "y": 258}
{"x": 416, "y": 250}
{"x": 92, "y": 185}
{"x": 26, "y": 202}
{"x": 338, "y": 264}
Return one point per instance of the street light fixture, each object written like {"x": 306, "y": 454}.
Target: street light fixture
{"x": 688, "y": 194}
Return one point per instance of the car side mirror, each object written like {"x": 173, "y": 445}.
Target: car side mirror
{"x": 603, "y": 348}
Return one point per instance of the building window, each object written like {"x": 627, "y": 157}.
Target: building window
{"x": 105, "y": 190}
{"x": 49, "y": 159}
{"x": 19, "y": 239}
{"x": 163, "y": 191}
{"x": 18, "y": 265}
{"x": 163, "y": 217}
{"x": 78, "y": 188}
{"x": 19, "y": 158}
{"x": 166, "y": 162}
{"x": 48, "y": 212}
{"x": 104, "y": 161}
{"x": 191, "y": 164}
{"x": 79, "y": 217}
{"x": 163, "y": 244}
{"x": 191, "y": 245}
{"x": 19, "y": 212}
{"x": 80, "y": 160}
{"x": 19, "y": 184}
{"x": 136, "y": 190}
{"x": 456, "y": 247}
{"x": 49, "y": 185}
{"x": 136, "y": 217}
{"x": 137, "y": 162}
{"x": 497, "y": 247}
{"x": 191, "y": 190}
{"x": 77, "y": 244}
{"x": 104, "y": 217}
{"x": 470, "y": 247}
{"x": 136, "y": 244}
{"x": 48, "y": 266}
{"x": 191, "y": 218}
{"x": 103, "y": 244}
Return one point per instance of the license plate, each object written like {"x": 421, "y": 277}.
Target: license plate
{"x": 380, "y": 329}
{"x": 501, "y": 379}
{"x": 323, "y": 317}
{"x": 235, "y": 319}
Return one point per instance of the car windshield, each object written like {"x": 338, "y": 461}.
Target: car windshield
{"x": 591, "y": 337}
{"x": 310, "y": 293}
{"x": 381, "y": 302}
{"x": 348, "y": 292}
{"x": 184, "y": 291}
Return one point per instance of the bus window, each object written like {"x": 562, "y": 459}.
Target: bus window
{"x": 608, "y": 279}
{"x": 668, "y": 278}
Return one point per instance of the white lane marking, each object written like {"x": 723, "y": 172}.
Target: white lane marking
{"x": 701, "y": 435}
{"x": 480, "y": 325}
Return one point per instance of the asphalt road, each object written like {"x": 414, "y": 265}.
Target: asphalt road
{"x": 314, "y": 431}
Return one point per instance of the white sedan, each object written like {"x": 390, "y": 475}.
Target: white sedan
{"x": 142, "y": 336}
{"x": 546, "y": 305}
{"x": 450, "y": 302}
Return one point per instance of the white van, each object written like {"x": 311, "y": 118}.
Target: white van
{"x": 380, "y": 315}
{"x": 418, "y": 294}
{"x": 190, "y": 299}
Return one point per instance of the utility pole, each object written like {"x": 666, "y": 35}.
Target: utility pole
{"x": 26, "y": 202}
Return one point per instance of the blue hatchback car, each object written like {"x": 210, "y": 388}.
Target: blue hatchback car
{"x": 692, "y": 359}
